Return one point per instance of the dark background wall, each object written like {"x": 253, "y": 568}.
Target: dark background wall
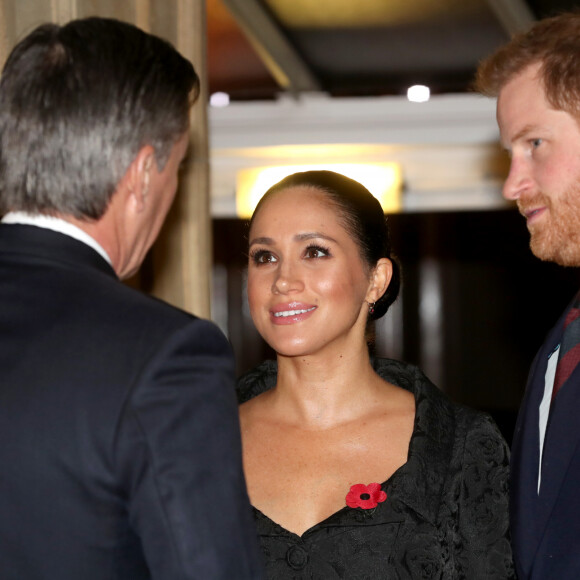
{"x": 474, "y": 307}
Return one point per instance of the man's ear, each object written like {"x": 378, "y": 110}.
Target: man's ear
{"x": 380, "y": 280}
{"x": 138, "y": 178}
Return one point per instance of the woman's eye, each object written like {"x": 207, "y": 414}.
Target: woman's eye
{"x": 262, "y": 257}
{"x": 536, "y": 143}
{"x": 316, "y": 252}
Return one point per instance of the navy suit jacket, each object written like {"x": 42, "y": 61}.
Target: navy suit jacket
{"x": 120, "y": 453}
{"x": 545, "y": 527}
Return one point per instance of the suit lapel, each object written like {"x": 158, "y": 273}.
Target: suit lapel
{"x": 525, "y": 525}
{"x": 560, "y": 445}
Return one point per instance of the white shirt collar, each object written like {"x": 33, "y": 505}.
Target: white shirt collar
{"x": 57, "y": 225}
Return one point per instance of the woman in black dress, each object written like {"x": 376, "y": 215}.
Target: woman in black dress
{"x": 356, "y": 468}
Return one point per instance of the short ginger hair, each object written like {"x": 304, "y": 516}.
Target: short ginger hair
{"x": 554, "y": 44}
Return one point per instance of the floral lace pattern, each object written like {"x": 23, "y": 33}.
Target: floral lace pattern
{"x": 446, "y": 517}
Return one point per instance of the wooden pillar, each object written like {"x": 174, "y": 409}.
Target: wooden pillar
{"x": 143, "y": 14}
{"x": 63, "y": 10}
{"x": 4, "y": 40}
{"x": 182, "y": 258}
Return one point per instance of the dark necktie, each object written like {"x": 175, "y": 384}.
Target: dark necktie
{"x": 569, "y": 355}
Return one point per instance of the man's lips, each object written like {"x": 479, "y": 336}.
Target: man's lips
{"x": 532, "y": 214}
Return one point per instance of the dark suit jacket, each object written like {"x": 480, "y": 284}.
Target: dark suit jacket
{"x": 119, "y": 439}
{"x": 546, "y": 527}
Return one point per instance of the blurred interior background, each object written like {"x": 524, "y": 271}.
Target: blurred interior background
{"x": 327, "y": 82}
{"x": 380, "y": 90}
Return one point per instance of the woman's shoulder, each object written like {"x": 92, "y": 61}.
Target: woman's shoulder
{"x": 435, "y": 410}
{"x": 411, "y": 378}
{"x": 263, "y": 377}
{"x": 434, "y": 407}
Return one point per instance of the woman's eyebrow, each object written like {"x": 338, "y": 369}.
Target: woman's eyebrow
{"x": 263, "y": 240}
{"x": 313, "y": 235}
{"x": 298, "y": 237}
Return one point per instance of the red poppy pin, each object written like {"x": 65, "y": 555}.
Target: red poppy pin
{"x": 365, "y": 496}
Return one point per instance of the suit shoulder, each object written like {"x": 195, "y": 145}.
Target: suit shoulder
{"x": 128, "y": 316}
{"x": 143, "y": 306}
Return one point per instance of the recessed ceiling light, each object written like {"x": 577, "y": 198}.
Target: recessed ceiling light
{"x": 418, "y": 94}
{"x": 219, "y": 99}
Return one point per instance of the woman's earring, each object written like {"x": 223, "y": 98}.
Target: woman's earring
{"x": 371, "y": 307}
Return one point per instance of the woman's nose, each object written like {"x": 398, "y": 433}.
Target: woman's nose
{"x": 287, "y": 280}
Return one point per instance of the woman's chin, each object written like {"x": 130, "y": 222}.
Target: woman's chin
{"x": 292, "y": 351}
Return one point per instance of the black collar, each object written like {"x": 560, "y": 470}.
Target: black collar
{"x": 418, "y": 484}
{"x": 27, "y": 242}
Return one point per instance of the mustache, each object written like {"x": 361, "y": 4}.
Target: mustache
{"x": 533, "y": 202}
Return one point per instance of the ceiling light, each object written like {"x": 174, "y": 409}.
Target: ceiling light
{"x": 418, "y": 94}
{"x": 219, "y": 100}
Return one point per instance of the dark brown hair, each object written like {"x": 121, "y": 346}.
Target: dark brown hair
{"x": 363, "y": 218}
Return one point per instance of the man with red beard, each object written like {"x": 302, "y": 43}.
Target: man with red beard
{"x": 536, "y": 79}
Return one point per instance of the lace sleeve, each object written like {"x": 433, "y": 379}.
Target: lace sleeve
{"x": 483, "y": 516}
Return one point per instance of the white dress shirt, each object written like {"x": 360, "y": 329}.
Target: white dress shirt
{"x": 545, "y": 404}
{"x": 57, "y": 225}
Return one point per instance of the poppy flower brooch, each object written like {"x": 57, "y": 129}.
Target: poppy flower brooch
{"x": 364, "y": 496}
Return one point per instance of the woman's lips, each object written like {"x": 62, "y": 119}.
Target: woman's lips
{"x": 291, "y": 313}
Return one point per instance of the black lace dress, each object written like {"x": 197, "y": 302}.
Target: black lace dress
{"x": 446, "y": 512}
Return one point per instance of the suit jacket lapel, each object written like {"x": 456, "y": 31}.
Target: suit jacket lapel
{"x": 525, "y": 526}
{"x": 560, "y": 445}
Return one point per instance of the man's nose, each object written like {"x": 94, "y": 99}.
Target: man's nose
{"x": 518, "y": 180}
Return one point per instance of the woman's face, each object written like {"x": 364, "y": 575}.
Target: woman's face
{"x": 307, "y": 282}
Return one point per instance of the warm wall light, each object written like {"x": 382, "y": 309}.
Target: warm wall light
{"x": 383, "y": 180}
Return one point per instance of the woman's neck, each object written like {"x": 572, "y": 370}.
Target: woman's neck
{"x": 319, "y": 392}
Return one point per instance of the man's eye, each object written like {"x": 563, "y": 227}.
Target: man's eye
{"x": 536, "y": 143}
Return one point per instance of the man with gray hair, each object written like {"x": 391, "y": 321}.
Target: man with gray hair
{"x": 120, "y": 450}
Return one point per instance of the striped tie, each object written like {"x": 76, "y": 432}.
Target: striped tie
{"x": 569, "y": 355}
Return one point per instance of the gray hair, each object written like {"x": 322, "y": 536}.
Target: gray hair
{"x": 77, "y": 103}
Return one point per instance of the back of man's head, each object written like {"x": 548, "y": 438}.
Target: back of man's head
{"x": 77, "y": 103}
{"x": 554, "y": 43}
